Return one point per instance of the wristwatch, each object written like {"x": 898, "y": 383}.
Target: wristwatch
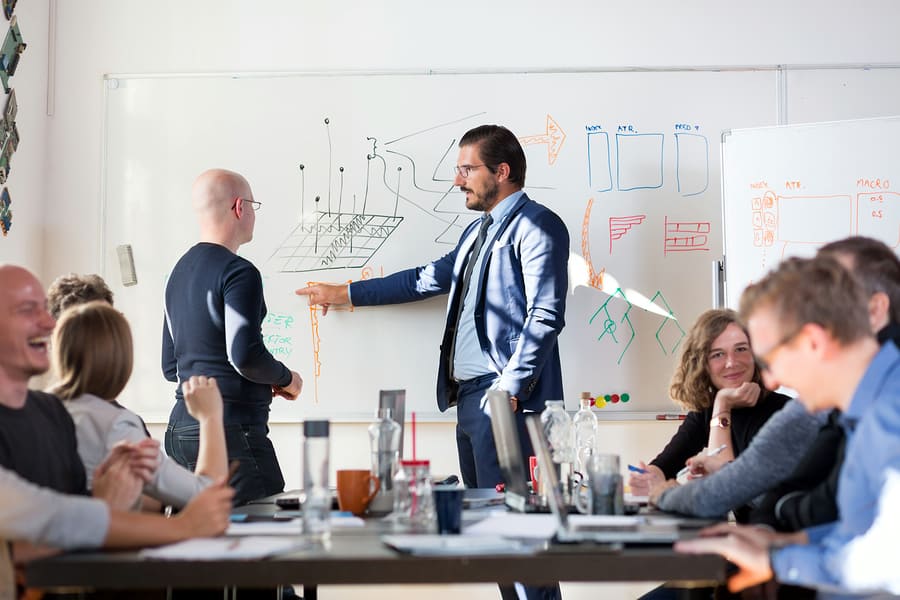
{"x": 720, "y": 422}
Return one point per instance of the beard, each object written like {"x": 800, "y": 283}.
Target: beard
{"x": 484, "y": 201}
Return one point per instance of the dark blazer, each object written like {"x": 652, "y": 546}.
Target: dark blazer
{"x": 520, "y": 307}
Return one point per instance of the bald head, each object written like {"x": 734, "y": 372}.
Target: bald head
{"x": 223, "y": 220}
{"x": 16, "y": 279}
{"x": 214, "y": 192}
{"x": 25, "y": 327}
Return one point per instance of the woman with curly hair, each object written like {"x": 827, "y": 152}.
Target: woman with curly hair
{"x": 718, "y": 382}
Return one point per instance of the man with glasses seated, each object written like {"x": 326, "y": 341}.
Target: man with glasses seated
{"x": 810, "y": 328}
{"x": 214, "y": 309}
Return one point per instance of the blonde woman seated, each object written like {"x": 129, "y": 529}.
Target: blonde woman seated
{"x": 92, "y": 361}
{"x": 718, "y": 381}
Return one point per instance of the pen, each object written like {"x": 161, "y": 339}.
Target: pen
{"x": 636, "y": 469}
{"x": 712, "y": 452}
{"x": 232, "y": 469}
{"x": 717, "y": 450}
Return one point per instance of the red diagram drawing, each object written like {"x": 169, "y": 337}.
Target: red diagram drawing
{"x": 619, "y": 226}
{"x": 686, "y": 236}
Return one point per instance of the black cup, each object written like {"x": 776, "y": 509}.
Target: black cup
{"x": 448, "y": 503}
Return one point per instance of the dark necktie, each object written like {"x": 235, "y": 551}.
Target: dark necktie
{"x": 463, "y": 286}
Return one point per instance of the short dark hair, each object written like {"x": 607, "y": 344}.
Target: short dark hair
{"x": 812, "y": 290}
{"x": 497, "y": 144}
{"x": 874, "y": 264}
{"x": 69, "y": 290}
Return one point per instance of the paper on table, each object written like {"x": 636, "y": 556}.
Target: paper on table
{"x": 339, "y": 520}
{"x": 443, "y": 545}
{"x": 515, "y": 525}
{"x": 237, "y": 548}
{"x": 287, "y": 527}
{"x": 633, "y": 499}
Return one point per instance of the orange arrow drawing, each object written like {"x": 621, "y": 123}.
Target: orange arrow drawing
{"x": 553, "y": 137}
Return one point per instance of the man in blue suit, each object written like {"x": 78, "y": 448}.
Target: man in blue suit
{"x": 507, "y": 279}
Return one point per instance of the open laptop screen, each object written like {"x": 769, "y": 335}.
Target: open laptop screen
{"x": 506, "y": 439}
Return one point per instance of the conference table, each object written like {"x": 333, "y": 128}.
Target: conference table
{"x": 358, "y": 556}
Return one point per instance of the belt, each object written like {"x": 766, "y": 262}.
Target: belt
{"x": 475, "y": 380}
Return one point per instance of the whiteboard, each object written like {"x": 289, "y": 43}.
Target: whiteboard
{"x": 819, "y": 95}
{"x": 629, "y": 160}
{"x": 788, "y": 190}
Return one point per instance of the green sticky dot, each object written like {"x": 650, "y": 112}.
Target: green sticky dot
{"x": 607, "y": 397}
{"x": 626, "y": 397}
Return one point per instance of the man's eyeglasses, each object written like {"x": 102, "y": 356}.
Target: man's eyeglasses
{"x": 464, "y": 170}
{"x": 763, "y": 362}
{"x": 253, "y": 203}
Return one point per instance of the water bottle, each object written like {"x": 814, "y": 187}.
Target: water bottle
{"x": 317, "y": 497}
{"x": 384, "y": 438}
{"x": 585, "y": 423}
{"x": 413, "y": 497}
{"x": 558, "y": 429}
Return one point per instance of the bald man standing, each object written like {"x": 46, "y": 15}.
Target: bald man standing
{"x": 213, "y": 320}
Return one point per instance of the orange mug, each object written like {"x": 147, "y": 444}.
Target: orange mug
{"x": 355, "y": 489}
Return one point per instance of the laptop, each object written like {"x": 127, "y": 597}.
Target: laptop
{"x": 599, "y": 529}
{"x": 518, "y": 496}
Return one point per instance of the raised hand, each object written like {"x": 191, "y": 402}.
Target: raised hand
{"x": 202, "y": 398}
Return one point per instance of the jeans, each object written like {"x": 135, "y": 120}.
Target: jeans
{"x": 258, "y": 474}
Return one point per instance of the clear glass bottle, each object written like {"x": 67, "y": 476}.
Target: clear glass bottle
{"x": 384, "y": 440}
{"x": 317, "y": 496}
{"x": 413, "y": 496}
{"x": 558, "y": 429}
{"x": 585, "y": 424}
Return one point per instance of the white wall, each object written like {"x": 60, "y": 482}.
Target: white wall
{"x": 25, "y": 243}
{"x": 57, "y": 215}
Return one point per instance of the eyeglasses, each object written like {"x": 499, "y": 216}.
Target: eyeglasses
{"x": 764, "y": 362}
{"x": 253, "y": 203}
{"x": 464, "y": 170}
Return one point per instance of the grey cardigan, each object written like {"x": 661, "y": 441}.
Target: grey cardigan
{"x": 769, "y": 459}
{"x": 100, "y": 424}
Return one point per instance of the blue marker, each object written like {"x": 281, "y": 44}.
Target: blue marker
{"x": 636, "y": 469}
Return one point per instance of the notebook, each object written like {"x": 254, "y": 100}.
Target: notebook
{"x": 601, "y": 529}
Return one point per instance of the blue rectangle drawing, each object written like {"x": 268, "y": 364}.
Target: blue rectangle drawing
{"x": 639, "y": 160}
{"x": 599, "y": 169}
{"x": 692, "y": 162}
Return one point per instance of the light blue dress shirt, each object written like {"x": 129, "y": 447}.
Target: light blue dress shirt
{"x": 468, "y": 359}
{"x": 872, "y": 423}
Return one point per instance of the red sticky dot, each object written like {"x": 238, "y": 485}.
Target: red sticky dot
{"x": 615, "y": 398}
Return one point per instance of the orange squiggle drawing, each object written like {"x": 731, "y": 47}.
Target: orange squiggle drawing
{"x": 317, "y": 339}
{"x": 316, "y": 345}
{"x": 595, "y": 279}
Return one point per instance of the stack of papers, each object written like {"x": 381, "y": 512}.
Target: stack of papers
{"x": 237, "y": 548}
